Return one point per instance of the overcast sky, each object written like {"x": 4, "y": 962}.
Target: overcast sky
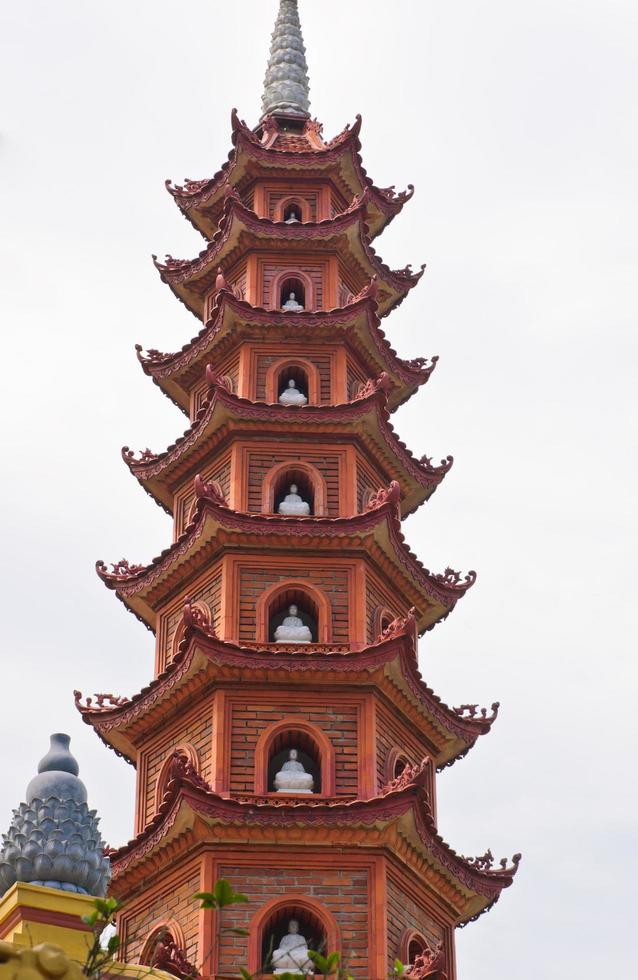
{"x": 516, "y": 121}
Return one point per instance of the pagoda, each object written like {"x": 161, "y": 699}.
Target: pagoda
{"x": 287, "y": 741}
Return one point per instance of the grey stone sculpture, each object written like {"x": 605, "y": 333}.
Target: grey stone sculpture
{"x": 54, "y": 839}
{"x": 286, "y": 86}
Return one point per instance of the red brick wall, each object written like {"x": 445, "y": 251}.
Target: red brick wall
{"x": 308, "y": 196}
{"x": 207, "y": 591}
{"x": 368, "y": 478}
{"x": 315, "y": 272}
{"x": 378, "y": 596}
{"x": 394, "y": 732}
{"x": 405, "y": 912}
{"x": 218, "y": 469}
{"x": 196, "y": 727}
{"x": 228, "y": 368}
{"x": 344, "y": 892}
{"x": 256, "y": 712}
{"x": 254, "y": 580}
{"x": 173, "y": 901}
{"x": 320, "y": 361}
{"x": 259, "y": 465}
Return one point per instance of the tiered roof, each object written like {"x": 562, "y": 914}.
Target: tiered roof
{"x": 215, "y": 528}
{"x": 232, "y": 320}
{"x": 365, "y": 419}
{"x": 240, "y": 228}
{"x": 390, "y": 663}
{"x": 271, "y": 148}
{"x": 287, "y": 143}
{"x": 399, "y": 818}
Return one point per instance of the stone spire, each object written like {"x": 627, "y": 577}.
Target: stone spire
{"x": 286, "y": 86}
{"x": 53, "y": 839}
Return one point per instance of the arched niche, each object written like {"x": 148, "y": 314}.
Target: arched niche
{"x": 395, "y": 763}
{"x": 298, "y": 369}
{"x": 285, "y": 207}
{"x": 313, "y": 605}
{"x": 292, "y": 281}
{"x": 189, "y": 752}
{"x": 270, "y": 924}
{"x": 311, "y": 487}
{"x": 316, "y": 752}
{"x": 383, "y": 617}
{"x": 413, "y": 944}
{"x": 161, "y": 932}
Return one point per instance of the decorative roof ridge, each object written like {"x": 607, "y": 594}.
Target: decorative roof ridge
{"x": 194, "y": 193}
{"x": 176, "y": 271}
{"x": 185, "y": 784}
{"x": 399, "y": 636}
{"x": 371, "y": 392}
{"x": 446, "y": 587}
{"x": 155, "y": 363}
{"x": 232, "y": 204}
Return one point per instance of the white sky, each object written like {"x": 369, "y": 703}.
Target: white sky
{"x": 517, "y": 122}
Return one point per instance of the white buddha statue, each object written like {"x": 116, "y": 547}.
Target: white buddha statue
{"x": 292, "y": 954}
{"x": 292, "y": 505}
{"x": 293, "y": 217}
{"x": 291, "y": 395}
{"x": 292, "y": 304}
{"x": 292, "y": 630}
{"x": 292, "y": 777}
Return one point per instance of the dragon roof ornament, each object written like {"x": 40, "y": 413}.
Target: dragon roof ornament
{"x": 286, "y": 85}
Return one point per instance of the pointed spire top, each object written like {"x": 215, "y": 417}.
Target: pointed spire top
{"x": 286, "y": 86}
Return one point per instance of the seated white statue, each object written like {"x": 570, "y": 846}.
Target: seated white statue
{"x": 292, "y": 304}
{"x": 292, "y": 630}
{"x": 291, "y": 395}
{"x": 292, "y": 777}
{"x": 292, "y": 954}
{"x": 292, "y": 505}
{"x": 293, "y": 218}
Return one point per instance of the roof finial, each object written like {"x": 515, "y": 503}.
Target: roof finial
{"x": 286, "y": 86}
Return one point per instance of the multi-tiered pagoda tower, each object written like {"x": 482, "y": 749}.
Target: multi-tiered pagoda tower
{"x": 287, "y": 619}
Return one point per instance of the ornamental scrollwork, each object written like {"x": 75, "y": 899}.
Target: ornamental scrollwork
{"x": 373, "y": 385}
{"x": 412, "y": 775}
{"x": 471, "y": 711}
{"x": 100, "y": 701}
{"x": 182, "y": 768}
{"x": 454, "y": 579}
{"x": 400, "y": 626}
{"x": 195, "y": 618}
{"x": 120, "y": 569}
{"x": 211, "y": 490}
{"x": 214, "y": 380}
{"x": 170, "y": 957}
{"x": 389, "y": 495}
{"x": 429, "y": 963}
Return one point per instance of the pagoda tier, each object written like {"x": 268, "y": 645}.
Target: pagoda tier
{"x": 352, "y": 447}
{"x": 273, "y": 151}
{"x": 345, "y": 561}
{"x": 390, "y": 855}
{"x": 288, "y": 742}
{"x": 386, "y": 669}
{"x": 238, "y": 334}
{"x": 332, "y": 259}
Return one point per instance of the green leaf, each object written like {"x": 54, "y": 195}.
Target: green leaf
{"x": 113, "y": 944}
{"x": 399, "y": 969}
{"x": 91, "y": 918}
{"x": 320, "y": 962}
{"x": 221, "y": 896}
{"x": 245, "y": 974}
